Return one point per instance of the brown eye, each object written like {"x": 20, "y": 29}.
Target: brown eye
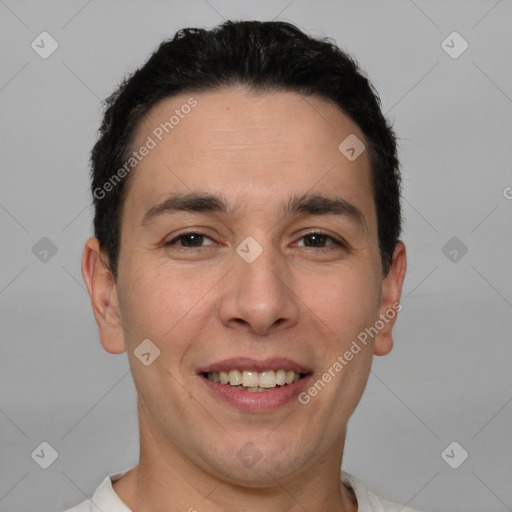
{"x": 190, "y": 240}
{"x": 319, "y": 239}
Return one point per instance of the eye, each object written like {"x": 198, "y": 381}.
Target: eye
{"x": 314, "y": 240}
{"x": 189, "y": 240}
{"x": 317, "y": 240}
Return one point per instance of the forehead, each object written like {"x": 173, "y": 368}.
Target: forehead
{"x": 250, "y": 146}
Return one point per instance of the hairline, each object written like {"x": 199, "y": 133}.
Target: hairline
{"x": 251, "y": 88}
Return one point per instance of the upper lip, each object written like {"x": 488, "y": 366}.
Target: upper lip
{"x": 258, "y": 365}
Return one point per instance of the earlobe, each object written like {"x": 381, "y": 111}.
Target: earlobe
{"x": 103, "y": 294}
{"x": 390, "y": 303}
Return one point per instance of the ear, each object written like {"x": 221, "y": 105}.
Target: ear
{"x": 390, "y": 300}
{"x": 103, "y": 293}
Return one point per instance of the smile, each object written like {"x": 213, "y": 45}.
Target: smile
{"x": 254, "y": 381}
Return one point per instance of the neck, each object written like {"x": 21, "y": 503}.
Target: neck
{"x": 142, "y": 492}
{"x": 168, "y": 480}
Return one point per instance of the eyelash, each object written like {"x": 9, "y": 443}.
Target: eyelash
{"x": 338, "y": 243}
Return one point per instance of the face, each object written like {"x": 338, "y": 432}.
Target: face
{"x": 268, "y": 281}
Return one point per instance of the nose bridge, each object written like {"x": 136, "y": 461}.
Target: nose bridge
{"x": 260, "y": 296}
{"x": 261, "y": 268}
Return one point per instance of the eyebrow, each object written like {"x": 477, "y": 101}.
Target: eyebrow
{"x": 309, "y": 204}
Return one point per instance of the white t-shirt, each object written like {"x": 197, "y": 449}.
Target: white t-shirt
{"x": 105, "y": 498}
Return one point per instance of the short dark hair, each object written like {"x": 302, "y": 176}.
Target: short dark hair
{"x": 261, "y": 56}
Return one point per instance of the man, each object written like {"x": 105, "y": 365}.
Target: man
{"x": 246, "y": 257}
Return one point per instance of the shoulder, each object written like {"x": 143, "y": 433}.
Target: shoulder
{"x": 85, "y": 506}
{"x": 368, "y": 501}
{"x": 104, "y": 498}
{"x": 388, "y": 506}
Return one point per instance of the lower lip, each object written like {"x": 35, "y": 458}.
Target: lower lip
{"x": 258, "y": 401}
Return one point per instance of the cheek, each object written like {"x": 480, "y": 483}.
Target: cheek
{"x": 346, "y": 301}
{"x": 156, "y": 302}
{"x": 160, "y": 306}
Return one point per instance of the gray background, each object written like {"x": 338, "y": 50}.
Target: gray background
{"x": 448, "y": 377}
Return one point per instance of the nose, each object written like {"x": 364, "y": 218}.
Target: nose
{"x": 259, "y": 295}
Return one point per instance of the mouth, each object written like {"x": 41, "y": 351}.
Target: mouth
{"x": 254, "y": 381}
{"x": 256, "y": 386}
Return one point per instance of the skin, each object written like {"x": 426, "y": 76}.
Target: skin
{"x": 201, "y": 305}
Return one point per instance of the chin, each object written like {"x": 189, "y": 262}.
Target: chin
{"x": 257, "y": 466}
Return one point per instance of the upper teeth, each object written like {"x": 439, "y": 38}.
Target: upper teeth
{"x": 252, "y": 379}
